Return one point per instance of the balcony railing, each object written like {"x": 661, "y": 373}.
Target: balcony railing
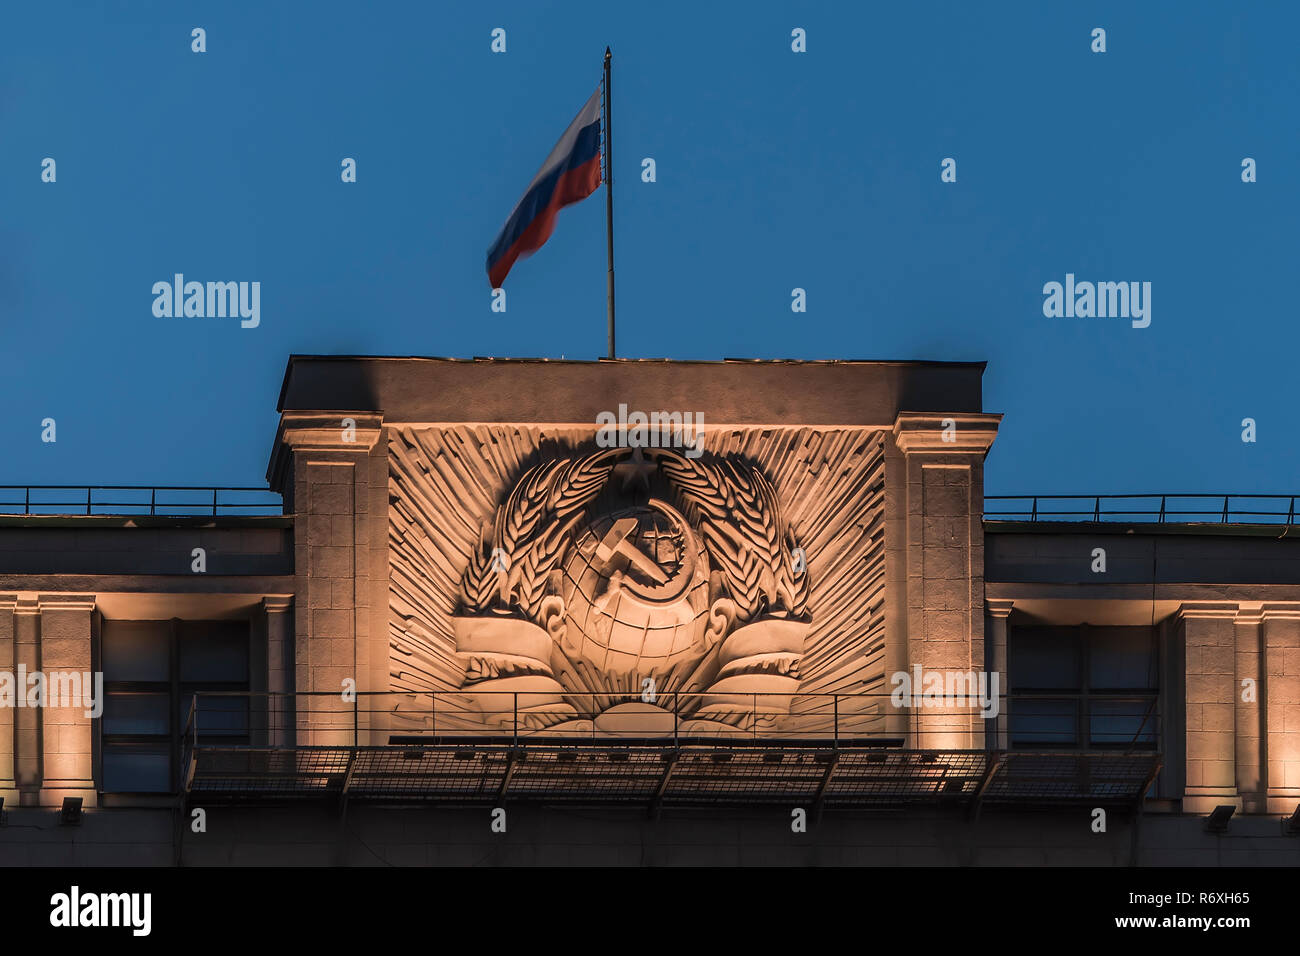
{"x": 690, "y": 750}
{"x": 1153, "y": 509}
{"x": 127, "y": 500}
{"x": 1129, "y": 721}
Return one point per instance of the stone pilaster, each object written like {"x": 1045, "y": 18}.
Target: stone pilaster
{"x": 995, "y": 656}
{"x": 943, "y": 472}
{"x": 1249, "y": 708}
{"x": 279, "y": 669}
{"x": 1281, "y": 666}
{"x": 8, "y": 787}
{"x": 67, "y": 731}
{"x": 327, "y": 464}
{"x": 1210, "y": 643}
{"x": 27, "y": 720}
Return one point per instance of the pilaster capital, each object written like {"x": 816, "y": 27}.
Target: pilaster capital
{"x": 1250, "y": 612}
{"x": 67, "y": 602}
{"x": 1279, "y": 612}
{"x": 952, "y": 433}
{"x": 354, "y": 433}
{"x": 26, "y": 602}
{"x": 998, "y": 608}
{"x": 277, "y": 603}
{"x": 1206, "y": 610}
{"x": 330, "y": 431}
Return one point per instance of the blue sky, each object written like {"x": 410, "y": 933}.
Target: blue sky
{"x": 775, "y": 170}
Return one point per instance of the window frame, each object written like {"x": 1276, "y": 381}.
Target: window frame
{"x": 1084, "y": 695}
{"x": 176, "y": 692}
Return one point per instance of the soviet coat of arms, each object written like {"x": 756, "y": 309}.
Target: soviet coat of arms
{"x": 628, "y": 590}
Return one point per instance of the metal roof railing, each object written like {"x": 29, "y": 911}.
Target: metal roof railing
{"x": 126, "y": 500}
{"x": 1155, "y": 509}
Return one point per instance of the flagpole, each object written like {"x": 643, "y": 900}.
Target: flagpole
{"x": 609, "y": 207}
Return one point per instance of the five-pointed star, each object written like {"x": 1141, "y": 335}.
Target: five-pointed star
{"x": 636, "y": 469}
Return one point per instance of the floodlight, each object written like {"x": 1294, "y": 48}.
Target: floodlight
{"x": 70, "y": 815}
{"x": 1217, "y": 821}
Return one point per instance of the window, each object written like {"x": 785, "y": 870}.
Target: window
{"x": 1089, "y": 688}
{"x": 152, "y": 669}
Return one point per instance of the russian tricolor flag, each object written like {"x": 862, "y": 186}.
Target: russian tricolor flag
{"x": 571, "y": 173}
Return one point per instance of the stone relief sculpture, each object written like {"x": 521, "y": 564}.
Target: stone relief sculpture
{"x": 604, "y": 589}
{"x": 644, "y": 591}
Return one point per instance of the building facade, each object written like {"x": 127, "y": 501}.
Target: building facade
{"x": 645, "y": 612}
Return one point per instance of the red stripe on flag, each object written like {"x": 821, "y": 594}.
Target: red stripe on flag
{"x": 575, "y": 185}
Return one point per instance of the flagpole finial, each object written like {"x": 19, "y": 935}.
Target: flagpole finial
{"x": 607, "y": 53}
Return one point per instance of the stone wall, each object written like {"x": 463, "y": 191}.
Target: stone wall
{"x": 542, "y": 836}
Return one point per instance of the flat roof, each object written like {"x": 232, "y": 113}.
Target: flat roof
{"x": 733, "y": 391}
